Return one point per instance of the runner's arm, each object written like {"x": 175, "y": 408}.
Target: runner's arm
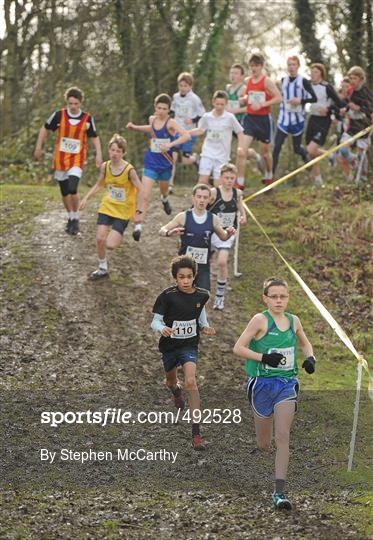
{"x": 307, "y": 85}
{"x": 175, "y": 227}
{"x": 40, "y": 142}
{"x": 255, "y": 326}
{"x": 139, "y": 195}
{"x": 158, "y": 325}
{"x": 97, "y": 144}
{"x": 184, "y": 134}
{"x": 98, "y": 185}
{"x": 274, "y": 91}
{"x": 241, "y": 208}
{"x": 303, "y": 339}
{"x": 144, "y": 129}
{"x": 223, "y": 234}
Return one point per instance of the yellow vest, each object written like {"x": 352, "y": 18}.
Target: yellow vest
{"x": 119, "y": 200}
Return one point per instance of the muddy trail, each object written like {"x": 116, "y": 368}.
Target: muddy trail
{"x": 70, "y": 344}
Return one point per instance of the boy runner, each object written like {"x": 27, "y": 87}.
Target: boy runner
{"x": 261, "y": 94}
{"x": 121, "y": 198}
{"x": 158, "y": 160}
{"x": 73, "y": 126}
{"x": 180, "y": 316}
{"x": 188, "y": 109}
{"x": 218, "y": 125}
{"x": 235, "y": 90}
{"x": 320, "y": 119}
{"x": 195, "y": 228}
{"x": 225, "y": 202}
{"x": 359, "y": 113}
{"x": 296, "y": 92}
{"x": 269, "y": 346}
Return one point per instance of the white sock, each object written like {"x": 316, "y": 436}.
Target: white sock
{"x": 74, "y": 215}
{"x": 318, "y": 178}
{"x": 164, "y": 198}
{"x": 240, "y": 180}
{"x": 70, "y": 214}
{"x": 138, "y": 226}
{"x": 269, "y": 175}
{"x": 102, "y": 264}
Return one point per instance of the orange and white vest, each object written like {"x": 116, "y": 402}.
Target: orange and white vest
{"x": 71, "y": 146}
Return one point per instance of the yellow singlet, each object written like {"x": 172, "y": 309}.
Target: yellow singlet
{"x": 119, "y": 200}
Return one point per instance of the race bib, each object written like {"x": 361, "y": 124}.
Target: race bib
{"x": 256, "y": 97}
{"x": 155, "y": 145}
{"x": 227, "y": 219}
{"x": 199, "y": 254}
{"x": 233, "y": 104}
{"x": 116, "y": 194}
{"x": 184, "y": 329}
{"x": 286, "y": 363}
{"x": 72, "y": 146}
{"x": 215, "y": 135}
{"x": 293, "y": 108}
{"x": 183, "y": 111}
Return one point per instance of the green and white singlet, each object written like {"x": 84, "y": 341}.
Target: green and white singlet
{"x": 275, "y": 340}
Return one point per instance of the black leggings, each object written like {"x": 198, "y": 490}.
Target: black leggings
{"x": 69, "y": 186}
{"x": 279, "y": 141}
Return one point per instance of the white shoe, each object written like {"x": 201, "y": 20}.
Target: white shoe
{"x": 218, "y": 303}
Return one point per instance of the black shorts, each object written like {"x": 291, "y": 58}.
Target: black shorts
{"x": 317, "y": 129}
{"x": 116, "y": 224}
{"x": 258, "y": 126}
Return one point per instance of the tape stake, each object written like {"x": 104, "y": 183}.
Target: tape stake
{"x": 356, "y": 415}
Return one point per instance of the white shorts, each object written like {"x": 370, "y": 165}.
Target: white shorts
{"x": 363, "y": 144}
{"x": 216, "y": 243}
{"x": 62, "y": 175}
{"x": 208, "y": 165}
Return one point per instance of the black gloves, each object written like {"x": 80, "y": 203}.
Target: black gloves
{"x": 272, "y": 359}
{"x": 309, "y": 364}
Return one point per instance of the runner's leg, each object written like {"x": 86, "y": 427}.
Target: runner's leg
{"x": 263, "y": 432}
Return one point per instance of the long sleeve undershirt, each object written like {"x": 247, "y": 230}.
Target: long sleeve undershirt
{"x": 157, "y": 323}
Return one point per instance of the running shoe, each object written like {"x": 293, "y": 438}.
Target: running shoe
{"x": 267, "y": 181}
{"x": 167, "y": 207}
{"x": 280, "y": 501}
{"x": 179, "y": 399}
{"x": 136, "y": 235}
{"x": 218, "y": 302}
{"x": 319, "y": 183}
{"x": 100, "y": 273}
{"x": 68, "y": 226}
{"x": 198, "y": 443}
{"x": 74, "y": 228}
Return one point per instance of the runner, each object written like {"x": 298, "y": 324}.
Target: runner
{"x": 219, "y": 126}
{"x": 195, "y": 228}
{"x": 296, "y": 92}
{"x": 359, "y": 116}
{"x": 225, "y": 202}
{"x": 158, "y": 157}
{"x": 73, "y": 126}
{"x": 261, "y": 94}
{"x": 188, "y": 109}
{"x": 320, "y": 119}
{"x": 236, "y": 90}
{"x": 180, "y": 316}
{"x": 269, "y": 345}
{"x": 118, "y": 203}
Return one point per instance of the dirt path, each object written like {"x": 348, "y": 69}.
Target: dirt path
{"x": 80, "y": 344}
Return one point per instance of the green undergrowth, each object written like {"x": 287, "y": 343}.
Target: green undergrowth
{"x": 324, "y": 235}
